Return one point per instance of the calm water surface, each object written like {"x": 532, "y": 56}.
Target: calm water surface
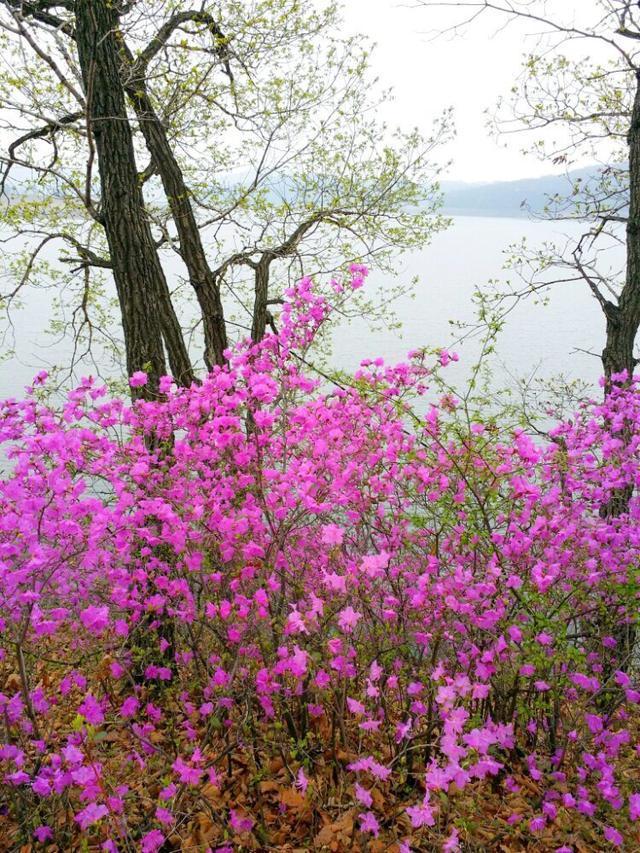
{"x": 545, "y": 340}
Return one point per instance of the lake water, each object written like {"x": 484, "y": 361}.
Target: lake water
{"x": 545, "y": 340}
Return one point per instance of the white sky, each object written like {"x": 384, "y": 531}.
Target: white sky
{"x": 468, "y": 71}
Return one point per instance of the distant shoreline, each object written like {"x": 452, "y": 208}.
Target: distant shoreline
{"x": 488, "y": 214}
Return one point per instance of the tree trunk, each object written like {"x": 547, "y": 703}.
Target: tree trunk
{"x": 148, "y": 317}
{"x": 192, "y": 251}
{"x": 623, "y": 319}
{"x": 261, "y": 297}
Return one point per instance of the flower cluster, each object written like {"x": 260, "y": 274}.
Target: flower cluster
{"x": 260, "y": 575}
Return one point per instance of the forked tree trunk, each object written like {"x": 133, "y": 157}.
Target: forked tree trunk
{"x": 192, "y": 251}
{"x": 148, "y": 317}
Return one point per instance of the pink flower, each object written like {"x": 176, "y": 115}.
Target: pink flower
{"x": 170, "y": 791}
{"x": 363, "y": 796}
{"x": 43, "y": 833}
{"x": 421, "y": 816}
{"x": 138, "y": 379}
{"x": 354, "y": 706}
{"x": 613, "y": 836}
{"x": 240, "y": 823}
{"x": 348, "y": 618}
{"x": 72, "y": 754}
{"x": 152, "y": 841}
{"x": 370, "y": 765}
{"x": 302, "y": 783}
{"x": 452, "y": 844}
{"x": 90, "y": 815}
{"x": 634, "y": 806}
{"x": 188, "y": 775}
{"x": 368, "y": 823}
{"x": 129, "y": 707}
{"x": 91, "y": 710}
{"x": 332, "y": 534}
{"x": 95, "y": 619}
{"x": 164, "y": 816}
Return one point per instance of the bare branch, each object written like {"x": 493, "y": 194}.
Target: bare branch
{"x": 174, "y": 23}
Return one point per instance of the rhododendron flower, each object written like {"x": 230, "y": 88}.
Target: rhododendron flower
{"x": 170, "y": 791}
{"x": 129, "y": 707}
{"x": 240, "y": 823}
{"x": 613, "y": 836}
{"x": 93, "y": 813}
{"x": 152, "y": 841}
{"x": 164, "y": 816}
{"x": 95, "y": 619}
{"x": 452, "y": 844}
{"x": 72, "y": 754}
{"x": 41, "y": 786}
{"x": 43, "y": 833}
{"x": 544, "y": 639}
{"x": 421, "y": 816}
{"x": 188, "y": 775}
{"x": 371, "y": 766}
{"x": 91, "y": 710}
{"x": 332, "y": 534}
{"x": 348, "y": 619}
{"x": 302, "y": 783}
{"x": 363, "y": 796}
{"x": 368, "y": 823}
{"x": 138, "y": 379}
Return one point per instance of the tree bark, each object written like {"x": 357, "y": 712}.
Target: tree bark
{"x": 623, "y": 319}
{"x": 148, "y": 317}
{"x": 192, "y": 252}
{"x": 261, "y": 297}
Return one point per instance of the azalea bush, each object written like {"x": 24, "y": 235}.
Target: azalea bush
{"x": 263, "y": 613}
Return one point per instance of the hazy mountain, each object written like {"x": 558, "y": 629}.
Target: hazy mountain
{"x": 510, "y": 198}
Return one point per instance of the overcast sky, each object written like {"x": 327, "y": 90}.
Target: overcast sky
{"x": 467, "y": 72}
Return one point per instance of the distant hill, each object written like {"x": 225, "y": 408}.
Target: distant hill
{"x": 509, "y": 198}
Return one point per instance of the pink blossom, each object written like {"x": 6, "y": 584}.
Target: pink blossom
{"x": 138, "y": 379}
{"x": 90, "y": 815}
{"x": 421, "y": 816}
{"x": 91, "y": 710}
{"x": 332, "y": 534}
{"x": 348, "y": 618}
{"x": 613, "y": 836}
{"x": 152, "y": 841}
{"x": 363, "y": 796}
{"x": 95, "y": 619}
{"x": 240, "y": 823}
{"x": 368, "y": 823}
{"x": 43, "y": 833}
{"x": 302, "y": 783}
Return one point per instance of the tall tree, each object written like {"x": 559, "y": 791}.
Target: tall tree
{"x": 263, "y": 160}
{"x": 580, "y": 96}
{"x": 146, "y": 309}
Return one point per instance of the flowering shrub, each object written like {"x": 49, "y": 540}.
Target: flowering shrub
{"x": 259, "y": 613}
